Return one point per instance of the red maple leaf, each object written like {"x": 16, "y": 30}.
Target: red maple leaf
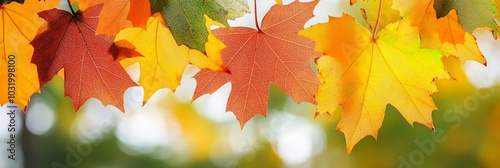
{"x": 89, "y": 71}
{"x": 256, "y": 58}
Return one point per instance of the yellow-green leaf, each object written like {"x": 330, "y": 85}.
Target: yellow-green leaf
{"x": 363, "y": 74}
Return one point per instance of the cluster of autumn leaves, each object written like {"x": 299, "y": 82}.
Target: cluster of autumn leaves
{"x": 393, "y": 56}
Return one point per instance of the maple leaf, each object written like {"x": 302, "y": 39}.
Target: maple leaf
{"x": 119, "y": 14}
{"x": 164, "y": 61}
{"x": 471, "y": 13}
{"x": 186, "y": 21}
{"x": 89, "y": 71}
{"x": 256, "y": 58}
{"x": 444, "y": 33}
{"x": 20, "y": 25}
{"x": 364, "y": 72}
{"x": 213, "y": 49}
{"x": 455, "y": 41}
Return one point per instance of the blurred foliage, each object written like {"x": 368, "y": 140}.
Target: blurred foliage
{"x": 470, "y": 138}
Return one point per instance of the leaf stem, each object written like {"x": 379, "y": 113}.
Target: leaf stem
{"x": 377, "y": 22}
{"x": 255, "y": 15}
{"x": 71, "y": 8}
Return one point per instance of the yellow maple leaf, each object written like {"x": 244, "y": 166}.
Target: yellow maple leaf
{"x": 20, "y": 24}
{"x": 164, "y": 61}
{"x": 213, "y": 48}
{"x": 365, "y": 72}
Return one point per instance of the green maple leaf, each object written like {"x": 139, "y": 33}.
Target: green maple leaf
{"x": 471, "y": 13}
{"x": 185, "y": 19}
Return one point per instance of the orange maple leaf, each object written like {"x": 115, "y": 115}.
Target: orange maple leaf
{"x": 256, "y": 58}
{"x": 20, "y": 25}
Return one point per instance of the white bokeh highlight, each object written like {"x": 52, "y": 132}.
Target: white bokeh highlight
{"x": 294, "y": 147}
{"x": 94, "y": 121}
{"x": 40, "y": 118}
{"x": 485, "y": 76}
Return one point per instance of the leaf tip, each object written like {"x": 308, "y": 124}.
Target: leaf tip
{"x": 316, "y": 114}
{"x": 349, "y": 150}
{"x": 241, "y": 122}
